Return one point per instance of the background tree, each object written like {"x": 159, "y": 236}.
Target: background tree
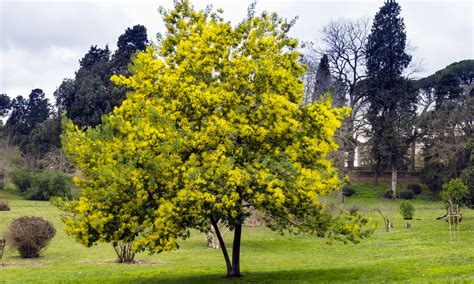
{"x": 213, "y": 130}
{"x": 4, "y": 105}
{"x": 344, "y": 41}
{"x": 392, "y": 98}
{"x": 323, "y": 80}
{"x": 446, "y": 128}
{"x": 26, "y": 119}
{"x": 91, "y": 94}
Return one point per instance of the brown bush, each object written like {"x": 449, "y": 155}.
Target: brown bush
{"x": 30, "y": 235}
{"x": 4, "y": 205}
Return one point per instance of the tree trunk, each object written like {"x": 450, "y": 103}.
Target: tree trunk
{"x": 236, "y": 252}
{"x": 223, "y": 247}
{"x": 351, "y": 157}
{"x": 394, "y": 181}
{"x": 413, "y": 158}
{"x": 377, "y": 173}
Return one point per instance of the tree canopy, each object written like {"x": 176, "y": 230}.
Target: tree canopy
{"x": 392, "y": 98}
{"x": 213, "y": 129}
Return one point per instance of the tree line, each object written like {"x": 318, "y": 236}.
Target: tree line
{"x": 215, "y": 123}
{"x": 364, "y": 67}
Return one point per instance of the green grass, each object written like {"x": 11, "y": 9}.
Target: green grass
{"x": 422, "y": 253}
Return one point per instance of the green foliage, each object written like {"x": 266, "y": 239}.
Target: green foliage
{"x": 30, "y": 127}
{"x": 467, "y": 178}
{"x": 407, "y": 210}
{"x": 348, "y": 190}
{"x": 4, "y": 105}
{"x": 91, "y": 94}
{"x": 415, "y": 187}
{"x": 433, "y": 175}
{"x": 349, "y": 228}
{"x": 30, "y": 235}
{"x": 407, "y": 194}
{"x": 454, "y": 192}
{"x": 392, "y": 98}
{"x": 22, "y": 179}
{"x": 41, "y": 185}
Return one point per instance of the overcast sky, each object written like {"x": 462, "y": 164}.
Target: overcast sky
{"x": 41, "y": 42}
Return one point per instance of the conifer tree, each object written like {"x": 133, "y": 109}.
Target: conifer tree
{"x": 391, "y": 97}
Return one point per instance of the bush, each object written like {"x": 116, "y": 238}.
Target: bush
{"x": 388, "y": 194}
{"x": 4, "y": 205}
{"x": 407, "y": 210}
{"x": 407, "y": 194}
{"x": 41, "y": 185}
{"x": 415, "y": 187}
{"x": 30, "y": 235}
{"x": 348, "y": 190}
{"x": 455, "y": 192}
{"x": 22, "y": 179}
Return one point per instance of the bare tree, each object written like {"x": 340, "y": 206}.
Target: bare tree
{"x": 344, "y": 42}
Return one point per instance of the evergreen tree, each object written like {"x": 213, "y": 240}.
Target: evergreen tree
{"x": 16, "y": 123}
{"x": 133, "y": 40}
{"x": 4, "y": 104}
{"x": 391, "y": 97}
{"x": 91, "y": 94}
{"x": 39, "y": 109}
{"x": 323, "y": 80}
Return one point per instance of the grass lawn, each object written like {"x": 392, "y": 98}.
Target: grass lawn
{"x": 422, "y": 253}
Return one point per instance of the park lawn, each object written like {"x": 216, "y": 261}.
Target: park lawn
{"x": 422, "y": 253}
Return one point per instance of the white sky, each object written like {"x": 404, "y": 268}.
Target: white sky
{"x": 41, "y": 42}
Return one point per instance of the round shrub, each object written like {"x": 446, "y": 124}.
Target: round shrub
{"x": 348, "y": 190}
{"x": 454, "y": 192}
{"x": 4, "y": 205}
{"x": 30, "y": 235}
{"x": 407, "y": 194}
{"x": 407, "y": 210}
{"x": 415, "y": 187}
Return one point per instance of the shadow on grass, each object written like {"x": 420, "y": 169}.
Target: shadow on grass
{"x": 354, "y": 274}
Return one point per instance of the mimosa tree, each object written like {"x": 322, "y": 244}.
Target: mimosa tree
{"x": 213, "y": 129}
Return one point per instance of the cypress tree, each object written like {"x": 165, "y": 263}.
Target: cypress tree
{"x": 391, "y": 97}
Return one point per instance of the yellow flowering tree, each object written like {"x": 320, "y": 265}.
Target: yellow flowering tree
{"x": 213, "y": 129}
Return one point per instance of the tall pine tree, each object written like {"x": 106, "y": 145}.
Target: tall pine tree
{"x": 391, "y": 97}
{"x": 323, "y": 80}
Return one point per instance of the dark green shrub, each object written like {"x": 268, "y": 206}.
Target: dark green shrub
{"x": 388, "y": 194}
{"x": 22, "y": 179}
{"x": 407, "y": 210}
{"x": 4, "y": 205}
{"x": 415, "y": 187}
{"x": 348, "y": 190}
{"x": 30, "y": 235}
{"x": 48, "y": 184}
{"x": 41, "y": 185}
{"x": 407, "y": 194}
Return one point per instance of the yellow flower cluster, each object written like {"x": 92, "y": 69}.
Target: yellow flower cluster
{"x": 213, "y": 125}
